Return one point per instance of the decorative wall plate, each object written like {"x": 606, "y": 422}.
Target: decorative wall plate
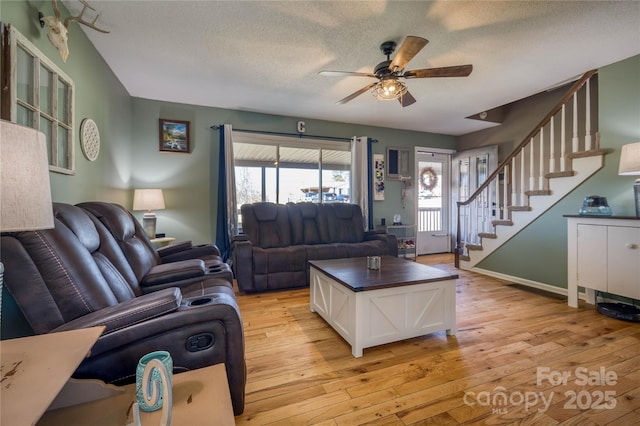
{"x": 90, "y": 139}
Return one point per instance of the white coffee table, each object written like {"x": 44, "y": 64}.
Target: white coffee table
{"x": 401, "y": 300}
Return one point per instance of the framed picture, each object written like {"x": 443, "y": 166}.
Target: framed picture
{"x": 378, "y": 177}
{"x": 174, "y": 136}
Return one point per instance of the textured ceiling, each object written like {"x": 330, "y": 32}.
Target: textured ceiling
{"x": 265, "y": 56}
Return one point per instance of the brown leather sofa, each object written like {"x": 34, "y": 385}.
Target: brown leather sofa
{"x": 77, "y": 275}
{"x": 279, "y": 239}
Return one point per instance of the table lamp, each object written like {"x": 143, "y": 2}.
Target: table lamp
{"x": 25, "y": 191}
{"x": 148, "y": 199}
{"x": 630, "y": 166}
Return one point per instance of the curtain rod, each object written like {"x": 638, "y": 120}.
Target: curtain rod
{"x": 299, "y": 135}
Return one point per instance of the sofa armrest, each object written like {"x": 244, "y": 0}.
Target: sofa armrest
{"x": 390, "y": 239}
{"x": 116, "y": 354}
{"x": 185, "y": 250}
{"x": 174, "y": 248}
{"x": 242, "y": 262}
{"x": 129, "y": 313}
{"x": 174, "y": 272}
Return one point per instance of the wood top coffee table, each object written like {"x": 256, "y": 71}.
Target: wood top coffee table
{"x": 402, "y": 299}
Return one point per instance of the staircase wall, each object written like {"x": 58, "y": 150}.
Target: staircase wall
{"x": 518, "y": 119}
{"x": 538, "y": 255}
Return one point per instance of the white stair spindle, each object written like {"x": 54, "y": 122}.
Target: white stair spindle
{"x": 505, "y": 193}
{"x": 532, "y": 178}
{"x": 514, "y": 186}
{"x": 563, "y": 139}
{"x": 485, "y": 209}
{"x": 522, "y": 179}
{"x": 541, "y": 165}
{"x": 490, "y": 203}
{"x": 474, "y": 222}
{"x": 495, "y": 213}
{"x": 587, "y": 138}
{"x": 575, "y": 139}
{"x": 482, "y": 214}
{"x": 552, "y": 148}
{"x": 469, "y": 228}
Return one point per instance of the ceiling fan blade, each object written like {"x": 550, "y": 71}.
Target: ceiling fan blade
{"x": 356, "y": 94}
{"x": 346, "y": 74}
{"x": 454, "y": 71}
{"x": 410, "y": 48}
{"x": 407, "y": 99}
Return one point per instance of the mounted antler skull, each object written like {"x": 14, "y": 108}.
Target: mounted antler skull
{"x": 58, "y": 30}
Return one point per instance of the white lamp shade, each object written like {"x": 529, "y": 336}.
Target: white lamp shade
{"x": 148, "y": 199}
{"x": 25, "y": 190}
{"x": 630, "y": 159}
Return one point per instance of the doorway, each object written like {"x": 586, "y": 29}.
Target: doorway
{"x": 470, "y": 169}
{"x": 433, "y": 207}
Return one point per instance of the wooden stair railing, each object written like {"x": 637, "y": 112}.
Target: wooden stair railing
{"x": 507, "y": 189}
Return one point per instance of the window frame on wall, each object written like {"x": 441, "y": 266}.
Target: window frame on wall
{"x": 276, "y": 162}
{"x": 48, "y": 106}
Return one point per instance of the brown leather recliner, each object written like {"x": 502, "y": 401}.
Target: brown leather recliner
{"x": 149, "y": 264}
{"x": 76, "y": 276}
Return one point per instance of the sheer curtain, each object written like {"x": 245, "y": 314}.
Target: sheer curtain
{"x": 227, "y": 214}
{"x": 361, "y": 169}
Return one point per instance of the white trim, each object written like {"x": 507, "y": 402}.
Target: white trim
{"x": 529, "y": 283}
{"x": 17, "y": 40}
{"x": 289, "y": 141}
{"x": 422, "y": 149}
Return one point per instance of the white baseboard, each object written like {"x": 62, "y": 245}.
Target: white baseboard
{"x": 529, "y": 283}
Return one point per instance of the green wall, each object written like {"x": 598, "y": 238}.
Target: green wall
{"x": 539, "y": 252}
{"x": 98, "y": 95}
{"x": 190, "y": 180}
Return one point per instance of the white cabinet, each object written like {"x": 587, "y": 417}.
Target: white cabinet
{"x": 623, "y": 261}
{"x": 592, "y": 255}
{"x": 603, "y": 255}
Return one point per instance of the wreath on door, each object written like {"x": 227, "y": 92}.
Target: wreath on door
{"x": 428, "y": 179}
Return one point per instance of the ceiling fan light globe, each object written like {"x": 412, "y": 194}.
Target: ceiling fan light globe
{"x": 389, "y": 89}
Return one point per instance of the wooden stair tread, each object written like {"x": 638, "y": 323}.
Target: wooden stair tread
{"x": 487, "y": 235}
{"x": 590, "y": 153}
{"x": 538, "y": 192}
{"x": 519, "y": 208}
{"x": 566, "y": 173}
{"x": 473, "y": 246}
{"x": 502, "y": 222}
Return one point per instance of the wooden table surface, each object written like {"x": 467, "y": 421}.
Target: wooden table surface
{"x": 35, "y": 369}
{"x": 354, "y": 274}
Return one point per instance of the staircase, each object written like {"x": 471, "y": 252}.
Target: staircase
{"x": 560, "y": 153}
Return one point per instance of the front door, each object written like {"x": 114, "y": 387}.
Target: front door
{"x": 433, "y": 212}
{"x": 470, "y": 169}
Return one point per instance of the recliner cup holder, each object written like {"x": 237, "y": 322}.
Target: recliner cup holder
{"x": 200, "y": 301}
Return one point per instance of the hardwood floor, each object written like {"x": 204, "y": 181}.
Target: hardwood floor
{"x": 511, "y": 344}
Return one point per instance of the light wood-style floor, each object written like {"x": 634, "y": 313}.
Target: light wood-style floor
{"x": 512, "y": 344}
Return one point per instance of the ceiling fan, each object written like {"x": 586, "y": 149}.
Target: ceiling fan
{"x": 389, "y": 72}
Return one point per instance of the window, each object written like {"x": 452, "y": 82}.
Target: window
{"x": 282, "y": 170}
{"x": 39, "y": 95}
